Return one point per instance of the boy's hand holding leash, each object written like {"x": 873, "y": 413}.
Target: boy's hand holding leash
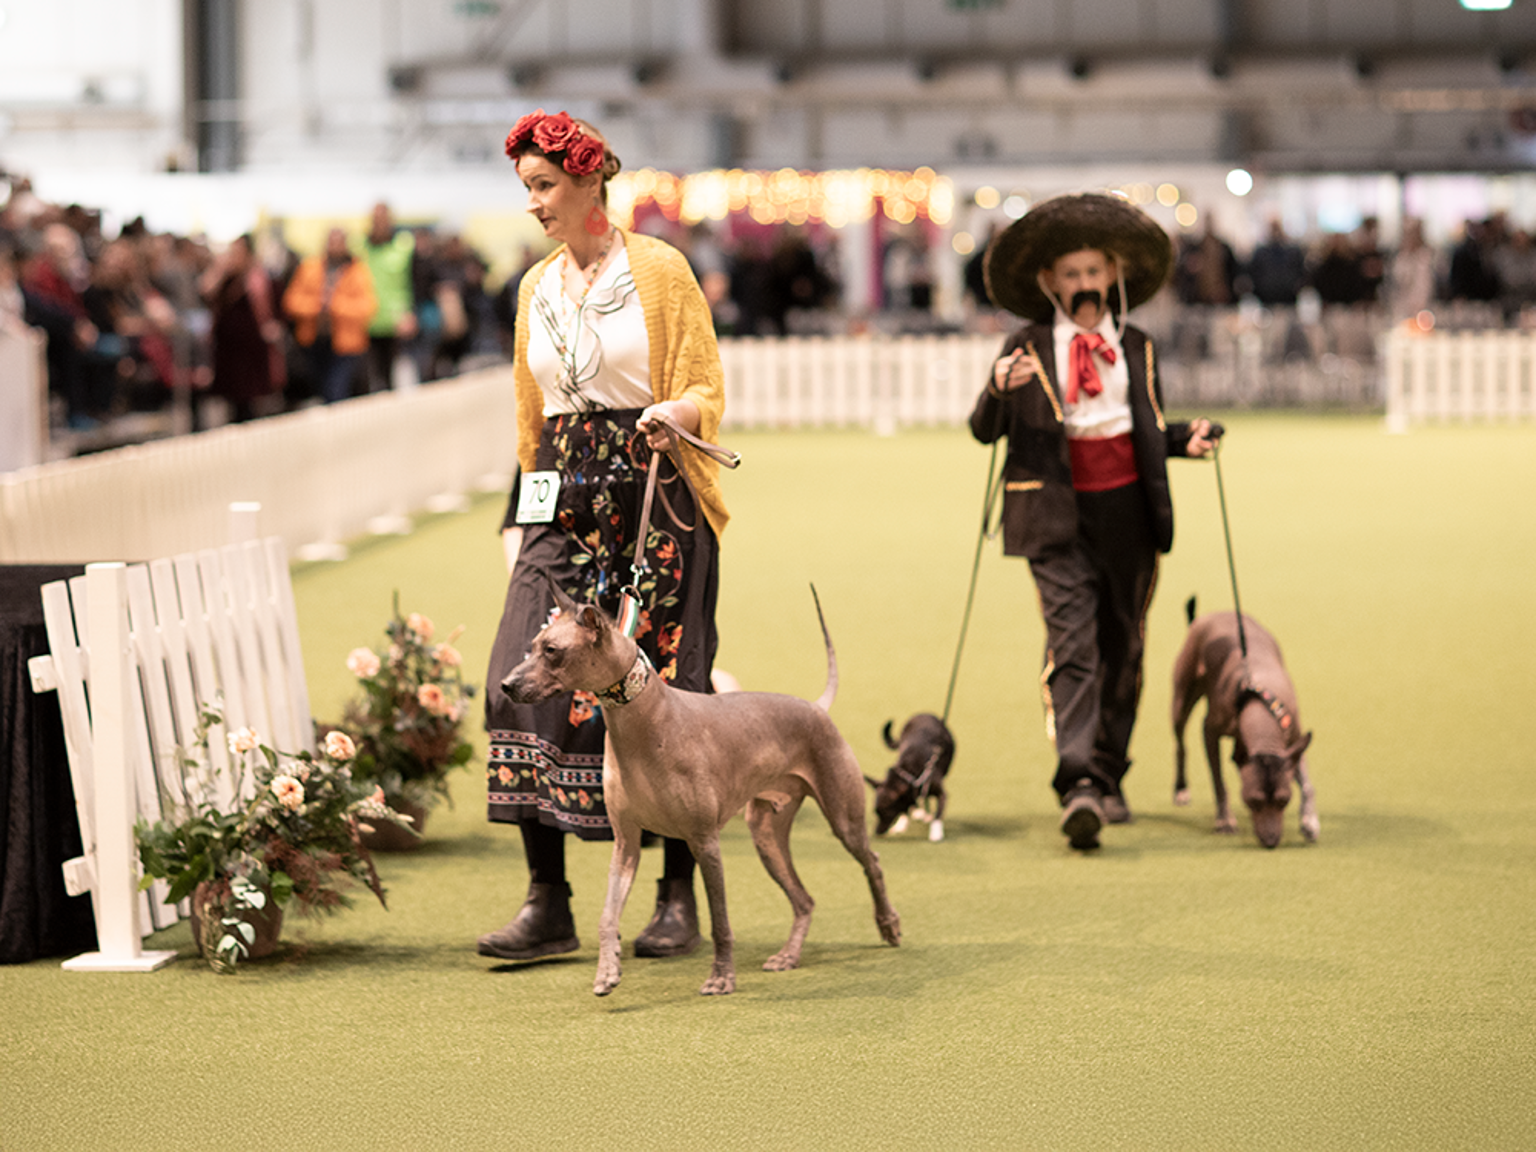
{"x": 1014, "y": 371}
{"x": 1202, "y": 437}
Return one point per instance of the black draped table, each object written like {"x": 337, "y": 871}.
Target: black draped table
{"x": 38, "y": 826}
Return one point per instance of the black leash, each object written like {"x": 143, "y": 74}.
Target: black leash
{"x": 994, "y": 485}
{"x": 1226, "y": 528}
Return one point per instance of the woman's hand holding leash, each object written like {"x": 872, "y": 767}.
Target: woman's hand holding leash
{"x": 654, "y": 423}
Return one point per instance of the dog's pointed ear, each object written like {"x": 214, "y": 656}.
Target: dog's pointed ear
{"x": 872, "y": 782}
{"x": 562, "y": 601}
{"x": 890, "y": 740}
{"x": 588, "y": 616}
{"x": 1306, "y": 742}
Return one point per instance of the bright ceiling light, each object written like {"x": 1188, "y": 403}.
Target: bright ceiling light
{"x": 1485, "y": 5}
{"x": 1239, "y": 182}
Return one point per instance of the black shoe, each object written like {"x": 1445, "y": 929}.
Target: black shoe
{"x": 1116, "y": 811}
{"x": 1082, "y": 815}
{"x": 542, "y": 927}
{"x": 674, "y": 927}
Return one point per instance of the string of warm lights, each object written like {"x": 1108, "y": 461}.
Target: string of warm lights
{"x": 1185, "y": 214}
{"x": 839, "y": 198}
{"x": 788, "y": 196}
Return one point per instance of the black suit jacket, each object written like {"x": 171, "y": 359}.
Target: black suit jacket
{"x": 1039, "y": 503}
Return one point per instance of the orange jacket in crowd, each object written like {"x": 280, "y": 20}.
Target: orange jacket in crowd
{"x": 351, "y": 306}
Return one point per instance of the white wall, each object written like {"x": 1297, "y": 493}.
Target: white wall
{"x": 90, "y": 83}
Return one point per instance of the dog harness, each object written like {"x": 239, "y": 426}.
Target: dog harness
{"x": 627, "y": 689}
{"x": 923, "y": 784}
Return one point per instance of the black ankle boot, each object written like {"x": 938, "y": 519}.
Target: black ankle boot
{"x": 674, "y": 928}
{"x": 542, "y": 927}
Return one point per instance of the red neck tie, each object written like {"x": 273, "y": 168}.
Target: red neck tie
{"x": 1081, "y": 371}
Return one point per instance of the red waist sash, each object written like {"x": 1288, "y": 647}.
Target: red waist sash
{"x": 1099, "y": 465}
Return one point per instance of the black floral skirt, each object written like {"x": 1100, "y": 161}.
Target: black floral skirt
{"x": 546, "y": 760}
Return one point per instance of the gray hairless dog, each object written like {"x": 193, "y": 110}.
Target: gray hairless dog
{"x": 1252, "y": 701}
{"x": 683, "y": 763}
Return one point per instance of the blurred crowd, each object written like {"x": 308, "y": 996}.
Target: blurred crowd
{"x": 1491, "y": 264}
{"x": 248, "y": 329}
{"x": 136, "y": 320}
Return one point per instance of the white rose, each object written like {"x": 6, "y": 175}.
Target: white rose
{"x": 363, "y": 662}
{"x": 339, "y": 746}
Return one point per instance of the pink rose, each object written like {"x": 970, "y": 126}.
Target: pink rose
{"x": 432, "y": 698}
{"x": 555, "y": 133}
{"x": 448, "y": 656}
{"x": 522, "y": 131}
{"x": 420, "y": 625}
{"x": 245, "y": 740}
{"x": 583, "y": 156}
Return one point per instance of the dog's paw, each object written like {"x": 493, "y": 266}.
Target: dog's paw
{"x": 719, "y": 984}
{"x": 784, "y": 960}
{"x": 898, "y": 826}
{"x": 1311, "y": 827}
{"x": 1181, "y": 797}
{"x": 607, "y": 979}
{"x": 1226, "y": 825}
{"x": 890, "y": 929}
{"x": 936, "y": 831}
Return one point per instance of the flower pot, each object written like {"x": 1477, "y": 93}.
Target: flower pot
{"x": 268, "y": 923}
{"x": 387, "y": 837}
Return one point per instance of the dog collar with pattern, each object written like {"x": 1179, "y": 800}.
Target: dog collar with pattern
{"x": 1251, "y": 691}
{"x": 627, "y": 689}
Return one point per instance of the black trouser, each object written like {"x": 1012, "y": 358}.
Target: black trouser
{"x": 381, "y": 363}
{"x": 1094, "y": 595}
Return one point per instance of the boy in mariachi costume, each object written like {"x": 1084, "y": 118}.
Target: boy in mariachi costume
{"x": 1085, "y": 483}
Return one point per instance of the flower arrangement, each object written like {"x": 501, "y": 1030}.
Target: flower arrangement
{"x": 406, "y": 721}
{"x": 554, "y": 134}
{"x": 274, "y": 828}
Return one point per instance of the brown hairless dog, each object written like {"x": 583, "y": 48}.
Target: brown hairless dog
{"x": 1252, "y": 701}
{"x": 683, "y": 763}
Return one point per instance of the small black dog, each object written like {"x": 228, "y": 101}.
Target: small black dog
{"x": 923, "y": 755}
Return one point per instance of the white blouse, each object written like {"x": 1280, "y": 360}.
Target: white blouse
{"x": 1109, "y": 413}
{"x": 595, "y": 353}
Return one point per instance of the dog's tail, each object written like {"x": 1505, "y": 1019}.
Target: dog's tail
{"x": 829, "y": 693}
{"x": 1189, "y": 610}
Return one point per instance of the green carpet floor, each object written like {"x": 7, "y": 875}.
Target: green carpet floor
{"x": 1177, "y": 990}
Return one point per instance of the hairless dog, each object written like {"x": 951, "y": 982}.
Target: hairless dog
{"x": 683, "y": 763}
{"x": 1249, "y": 697}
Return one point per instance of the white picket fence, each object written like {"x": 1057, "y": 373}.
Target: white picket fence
{"x": 1458, "y": 377}
{"x": 322, "y": 475}
{"x": 134, "y": 651}
{"x": 882, "y": 383}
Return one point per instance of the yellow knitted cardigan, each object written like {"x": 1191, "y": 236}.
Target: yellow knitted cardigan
{"x": 685, "y": 360}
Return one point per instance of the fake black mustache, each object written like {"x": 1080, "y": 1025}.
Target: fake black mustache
{"x": 1087, "y": 296}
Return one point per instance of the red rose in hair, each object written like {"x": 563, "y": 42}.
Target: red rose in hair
{"x": 555, "y": 133}
{"x": 522, "y": 131}
{"x": 583, "y": 156}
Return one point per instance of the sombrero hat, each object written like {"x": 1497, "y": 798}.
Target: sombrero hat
{"x": 1063, "y": 224}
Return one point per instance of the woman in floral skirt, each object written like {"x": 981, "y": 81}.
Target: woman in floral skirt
{"x": 613, "y": 336}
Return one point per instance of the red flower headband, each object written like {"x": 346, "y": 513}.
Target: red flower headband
{"x": 558, "y": 133}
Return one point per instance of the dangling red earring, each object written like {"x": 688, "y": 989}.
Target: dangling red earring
{"x": 596, "y": 221}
